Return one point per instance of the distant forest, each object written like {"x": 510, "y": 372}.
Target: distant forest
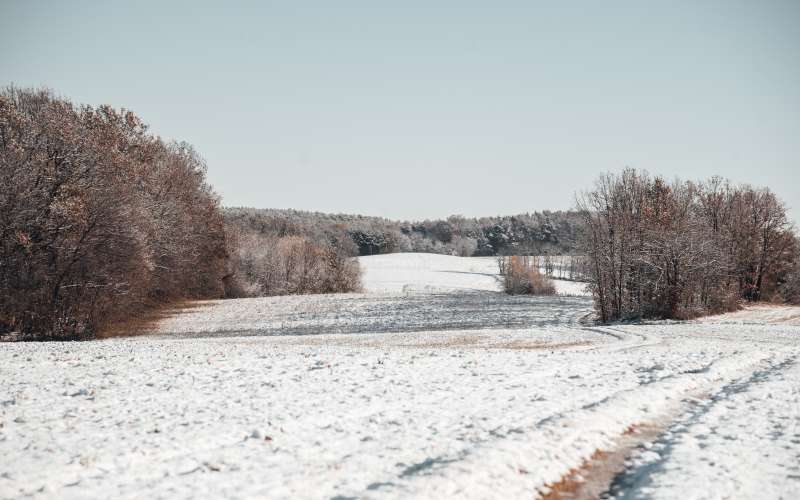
{"x": 538, "y": 233}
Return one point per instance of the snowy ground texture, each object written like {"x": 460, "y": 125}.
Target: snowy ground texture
{"x": 430, "y": 384}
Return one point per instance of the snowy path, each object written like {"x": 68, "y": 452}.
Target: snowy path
{"x": 468, "y": 394}
{"x": 759, "y": 414}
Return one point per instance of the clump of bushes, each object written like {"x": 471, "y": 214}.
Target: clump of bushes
{"x": 267, "y": 264}
{"x": 521, "y": 276}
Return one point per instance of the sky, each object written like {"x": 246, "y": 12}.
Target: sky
{"x": 422, "y": 109}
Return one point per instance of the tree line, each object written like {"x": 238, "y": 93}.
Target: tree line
{"x": 680, "y": 249}
{"x": 539, "y": 233}
{"x": 99, "y": 219}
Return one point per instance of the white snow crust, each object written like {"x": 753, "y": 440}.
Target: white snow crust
{"x": 431, "y": 384}
{"x": 423, "y": 272}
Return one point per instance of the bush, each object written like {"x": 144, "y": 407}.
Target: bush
{"x": 272, "y": 265}
{"x": 521, "y": 276}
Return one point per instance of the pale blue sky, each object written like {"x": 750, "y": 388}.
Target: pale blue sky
{"x": 424, "y": 109}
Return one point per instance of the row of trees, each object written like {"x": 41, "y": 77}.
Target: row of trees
{"x": 98, "y": 218}
{"x": 532, "y": 234}
{"x": 682, "y": 249}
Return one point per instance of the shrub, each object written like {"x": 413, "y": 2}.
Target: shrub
{"x": 521, "y": 276}
{"x": 272, "y": 265}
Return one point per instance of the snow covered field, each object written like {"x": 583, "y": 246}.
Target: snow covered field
{"x": 419, "y": 272}
{"x": 430, "y": 384}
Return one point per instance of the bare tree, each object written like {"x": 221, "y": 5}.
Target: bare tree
{"x": 680, "y": 249}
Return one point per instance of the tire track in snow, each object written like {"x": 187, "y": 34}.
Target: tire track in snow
{"x": 634, "y": 481}
{"x": 569, "y": 432}
{"x": 553, "y": 428}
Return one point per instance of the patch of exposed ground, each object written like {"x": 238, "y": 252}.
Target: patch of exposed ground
{"x": 594, "y": 476}
{"x": 528, "y": 345}
{"x": 147, "y": 322}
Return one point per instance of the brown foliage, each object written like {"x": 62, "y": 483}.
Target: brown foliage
{"x": 99, "y": 220}
{"x": 521, "y": 276}
{"x": 275, "y": 265}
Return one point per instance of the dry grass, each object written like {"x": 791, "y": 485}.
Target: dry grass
{"x": 388, "y": 341}
{"x": 529, "y": 345}
{"x": 457, "y": 341}
{"x": 146, "y": 322}
{"x": 435, "y": 342}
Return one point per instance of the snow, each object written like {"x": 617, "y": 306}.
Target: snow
{"x": 759, "y": 414}
{"x": 421, "y": 272}
{"x": 759, "y": 314}
{"x": 440, "y": 389}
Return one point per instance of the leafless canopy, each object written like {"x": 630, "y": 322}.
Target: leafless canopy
{"x": 681, "y": 249}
